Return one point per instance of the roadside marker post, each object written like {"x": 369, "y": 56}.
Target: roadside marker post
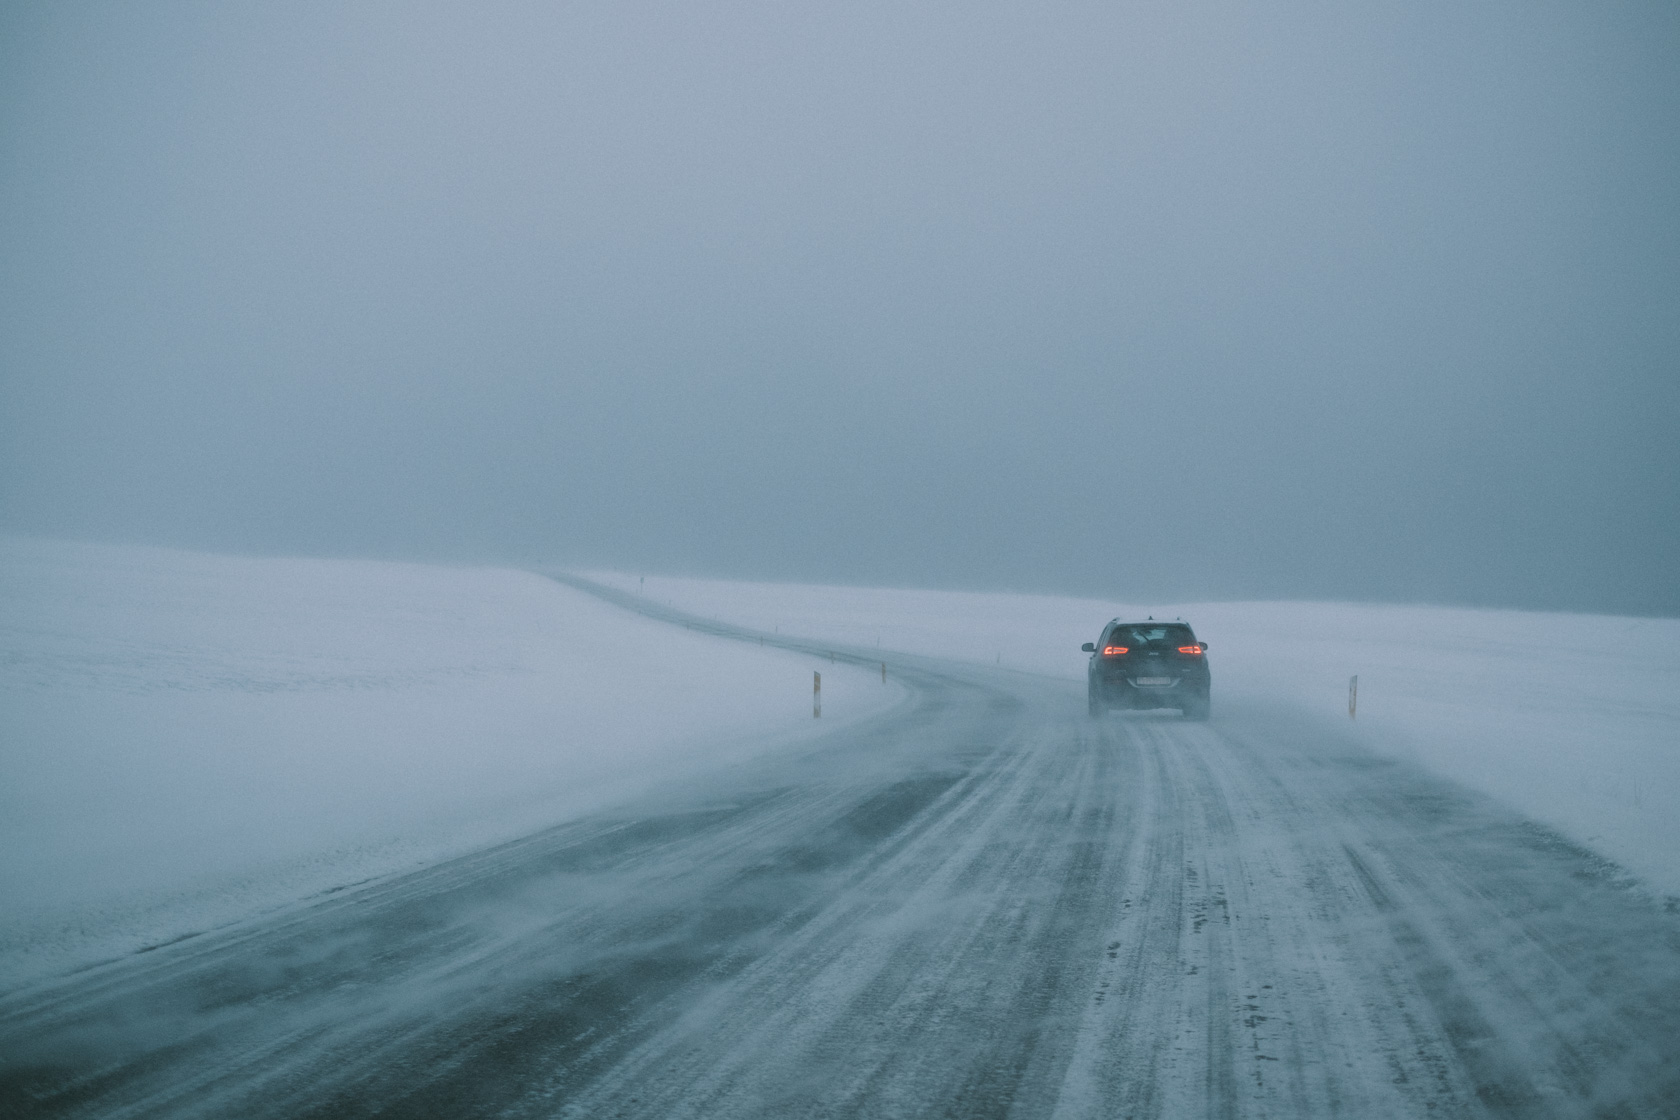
{"x": 1353, "y": 696}
{"x": 816, "y": 695}
{"x": 883, "y": 672}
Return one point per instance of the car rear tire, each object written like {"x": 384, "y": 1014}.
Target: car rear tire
{"x": 1093, "y": 703}
{"x": 1199, "y": 707}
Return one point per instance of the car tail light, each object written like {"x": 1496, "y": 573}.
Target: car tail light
{"x": 1113, "y": 651}
{"x": 1189, "y": 649}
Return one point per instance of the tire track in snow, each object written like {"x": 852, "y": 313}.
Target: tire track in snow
{"x": 932, "y": 950}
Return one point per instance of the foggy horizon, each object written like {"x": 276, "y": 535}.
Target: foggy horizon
{"x": 1151, "y": 303}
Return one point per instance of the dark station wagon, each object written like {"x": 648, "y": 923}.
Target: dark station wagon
{"x": 1149, "y": 664}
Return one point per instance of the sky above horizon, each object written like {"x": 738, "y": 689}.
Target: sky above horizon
{"x": 1142, "y": 300}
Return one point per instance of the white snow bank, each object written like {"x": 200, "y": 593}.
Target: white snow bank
{"x": 1572, "y": 719}
{"x": 185, "y": 738}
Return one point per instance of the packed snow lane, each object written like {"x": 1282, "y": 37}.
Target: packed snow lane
{"x": 981, "y": 904}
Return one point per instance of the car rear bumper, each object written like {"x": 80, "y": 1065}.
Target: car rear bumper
{"x": 1123, "y": 692}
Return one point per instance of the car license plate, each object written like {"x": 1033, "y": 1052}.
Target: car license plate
{"x": 1153, "y": 680}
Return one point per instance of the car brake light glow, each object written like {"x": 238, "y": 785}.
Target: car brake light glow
{"x": 1189, "y": 649}
{"x": 1113, "y": 651}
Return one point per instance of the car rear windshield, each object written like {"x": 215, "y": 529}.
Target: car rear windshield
{"x": 1147, "y": 636}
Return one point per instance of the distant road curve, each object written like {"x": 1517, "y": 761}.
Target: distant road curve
{"x": 982, "y": 904}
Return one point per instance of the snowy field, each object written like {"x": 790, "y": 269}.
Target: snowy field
{"x": 1574, "y": 720}
{"x": 186, "y": 739}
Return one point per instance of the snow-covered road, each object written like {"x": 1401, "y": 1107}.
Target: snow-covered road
{"x": 978, "y": 904}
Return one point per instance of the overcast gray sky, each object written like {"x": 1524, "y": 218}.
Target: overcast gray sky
{"x": 1155, "y": 300}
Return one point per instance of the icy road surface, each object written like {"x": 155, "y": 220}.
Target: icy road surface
{"x": 981, "y": 904}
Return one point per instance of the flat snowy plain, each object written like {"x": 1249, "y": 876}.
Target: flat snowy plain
{"x": 465, "y": 867}
{"x": 186, "y": 739}
{"x": 1571, "y": 719}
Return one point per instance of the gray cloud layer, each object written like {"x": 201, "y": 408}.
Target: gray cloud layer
{"x": 1162, "y": 299}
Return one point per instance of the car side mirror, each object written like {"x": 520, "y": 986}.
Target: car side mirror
{"x": 1204, "y": 645}
{"x": 1088, "y": 647}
